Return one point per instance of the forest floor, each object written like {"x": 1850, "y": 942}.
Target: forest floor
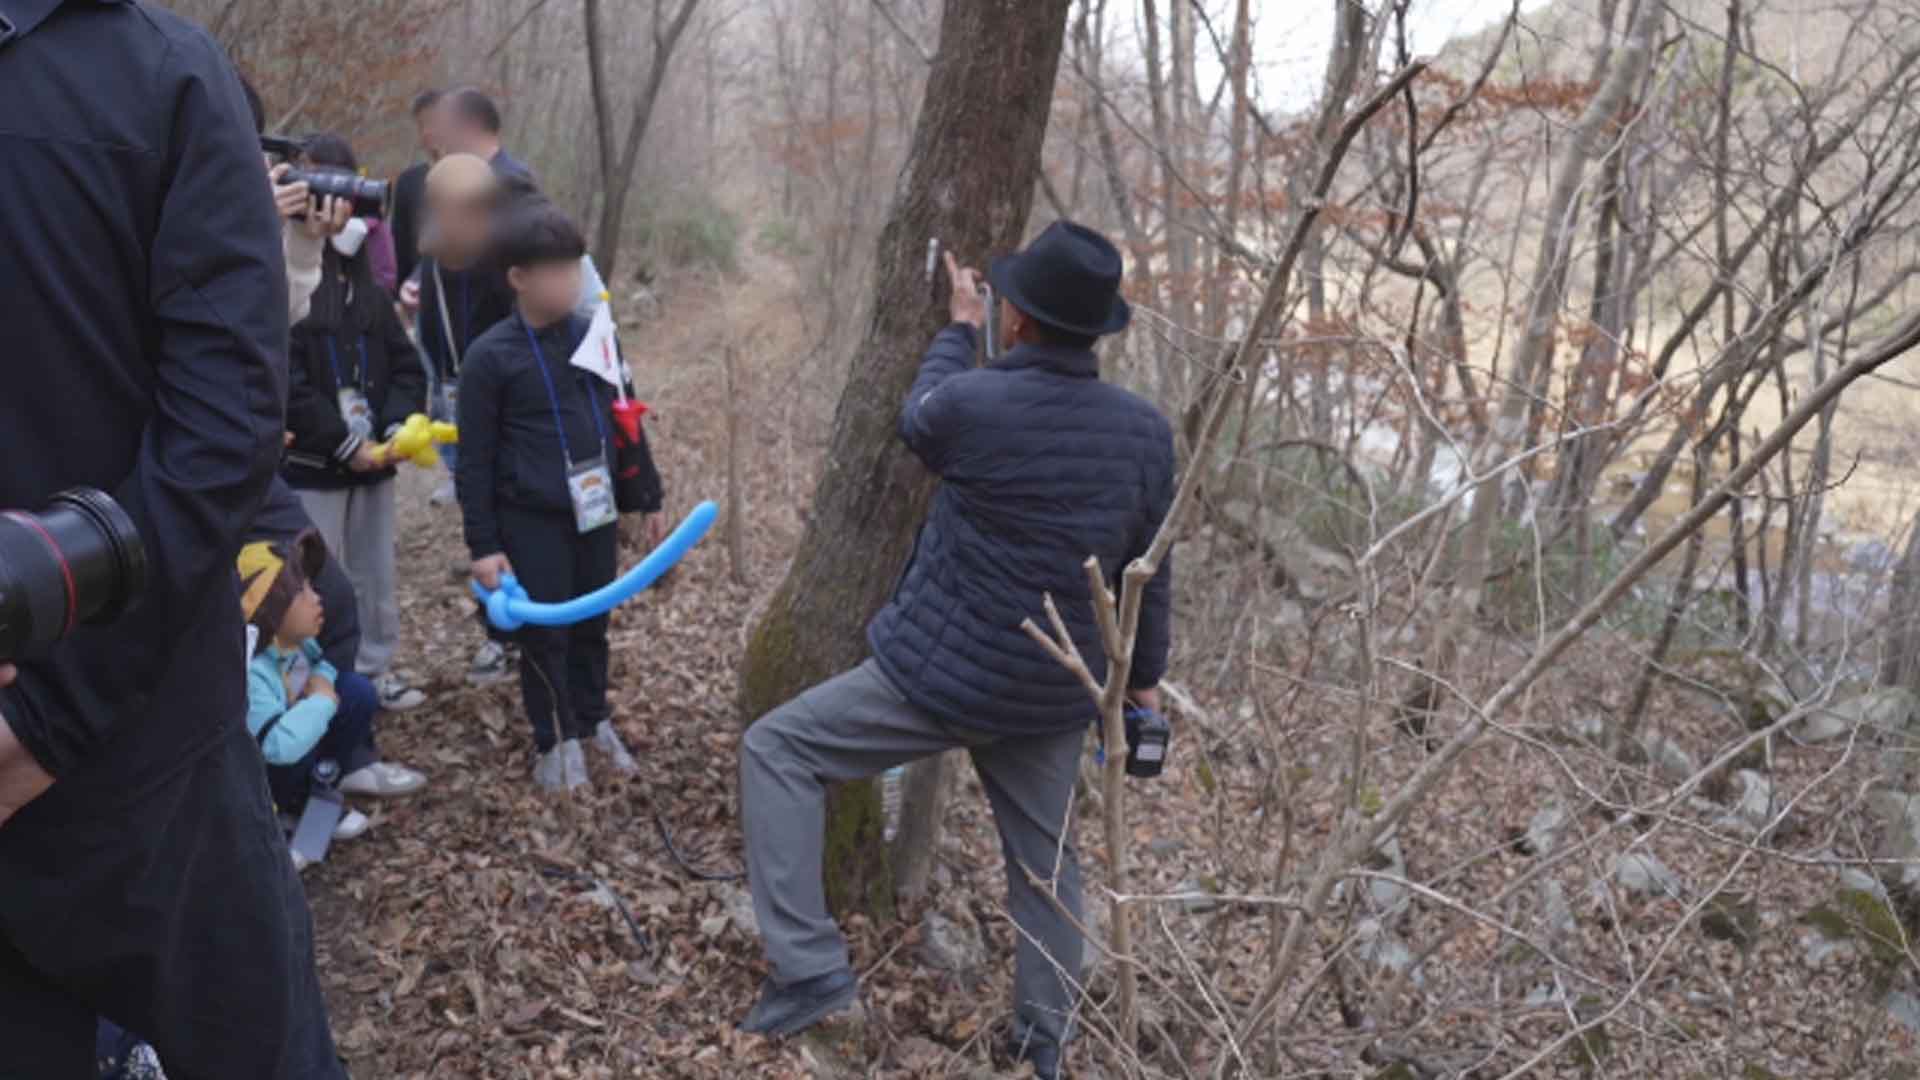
{"x": 481, "y": 929}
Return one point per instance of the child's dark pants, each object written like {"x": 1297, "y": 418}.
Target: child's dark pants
{"x": 348, "y": 741}
{"x": 563, "y": 669}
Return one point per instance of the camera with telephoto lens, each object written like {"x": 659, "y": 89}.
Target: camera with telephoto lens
{"x": 78, "y": 562}
{"x": 369, "y": 197}
{"x": 1148, "y": 735}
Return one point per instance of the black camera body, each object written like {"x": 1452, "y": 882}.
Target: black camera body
{"x": 78, "y": 562}
{"x": 370, "y": 197}
{"x": 1148, "y": 737}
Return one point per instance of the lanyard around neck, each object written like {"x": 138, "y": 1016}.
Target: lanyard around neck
{"x": 333, "y": 360}
{"x": 553, "y": 398}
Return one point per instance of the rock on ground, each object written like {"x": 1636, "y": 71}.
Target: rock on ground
{"x": 947, "y": 945}
{"x": 1669, "y": 758}
{"x": 1545, "y": 826}
{"x": 1639, "y": 872}
{"x": 1755, "y": 806}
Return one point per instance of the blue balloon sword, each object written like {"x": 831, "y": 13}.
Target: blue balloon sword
{"x": 509, "y": 607}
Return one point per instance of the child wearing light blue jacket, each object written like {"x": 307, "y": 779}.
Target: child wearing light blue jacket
{"x": 300, "y": 709}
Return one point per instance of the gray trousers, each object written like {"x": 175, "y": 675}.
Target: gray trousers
{"x": 857, "y": 725}
{"x": 358, "y": 525}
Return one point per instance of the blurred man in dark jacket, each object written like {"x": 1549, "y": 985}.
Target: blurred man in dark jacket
{"x": 473, "y": 127}
{"x": 1041, "y": 464}
{"x": 410, "y": 187}
{"x": 143, "y": 876}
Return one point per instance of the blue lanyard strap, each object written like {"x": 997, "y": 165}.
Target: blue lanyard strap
{"x": 333, "y": 360}
{"x": 553, "y": 398}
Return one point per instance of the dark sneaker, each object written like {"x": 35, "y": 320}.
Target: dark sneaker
{"x": 792, "y": 1008}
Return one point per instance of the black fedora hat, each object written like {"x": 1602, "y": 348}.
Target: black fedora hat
{"x": 1068, "y": 279}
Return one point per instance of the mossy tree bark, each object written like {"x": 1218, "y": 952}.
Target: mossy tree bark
{"x": 969, "y": 180}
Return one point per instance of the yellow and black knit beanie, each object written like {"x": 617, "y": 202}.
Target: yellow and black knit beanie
{"x": 271, "y": 576}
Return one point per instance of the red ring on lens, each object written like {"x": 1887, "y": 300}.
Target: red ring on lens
{"x": 73, "y": 594}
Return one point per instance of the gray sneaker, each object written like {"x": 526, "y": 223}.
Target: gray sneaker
{"x": 573, "y": 766}
{"x": 607, "y": 741}
{"x": 396, "y": 695}
{"x": 549, "y": 773}
{"x": 492, "y": 665}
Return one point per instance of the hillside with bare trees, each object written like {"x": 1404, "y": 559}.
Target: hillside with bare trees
{"x": 1546, "y": 683}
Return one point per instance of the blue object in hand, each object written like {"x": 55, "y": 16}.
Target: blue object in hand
{"x": 509, "y": 607}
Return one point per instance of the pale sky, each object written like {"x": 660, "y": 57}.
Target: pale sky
{"x": 1291, "y": 38}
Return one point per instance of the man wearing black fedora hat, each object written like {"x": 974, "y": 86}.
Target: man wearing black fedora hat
{"x": 1041, "y": 465}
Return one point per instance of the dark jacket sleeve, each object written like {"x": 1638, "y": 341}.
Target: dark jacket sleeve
{"x": 406, "y": 378}
{"x": 313, "y": 407}
{"x": 409, "y": 190}
{"x": 930, "y": 420}
{"x": 217, "y": 297}
{"x": 478, "y": 461}
{"x": 1154, "y": 637}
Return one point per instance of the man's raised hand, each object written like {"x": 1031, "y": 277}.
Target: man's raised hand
{"x": 969, "y": 304}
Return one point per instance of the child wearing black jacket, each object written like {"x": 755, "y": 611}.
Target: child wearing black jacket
{"x": 536, "y": 484}
{"x": 354, "y": 378}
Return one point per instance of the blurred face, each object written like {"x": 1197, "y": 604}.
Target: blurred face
{"x": 305, "y": 618}
{"x": 431, "y": 125}
{"x": 460, "y": 227}
{"x": 547, "y": 291}
{"x": 458, "y": 135}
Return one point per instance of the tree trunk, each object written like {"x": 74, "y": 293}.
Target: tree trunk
{"x": 923, "y": 805}
{"x": 736, "y": 469}
{"x": 616, "y": 170}
{"x": 969, "y": 181}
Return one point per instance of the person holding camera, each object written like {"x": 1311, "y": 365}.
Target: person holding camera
{"x": 1041, "y": 464}
{"x": 355, "y": 377}
{"x": 145, "y": 302}
{"x": 307, "y": 222}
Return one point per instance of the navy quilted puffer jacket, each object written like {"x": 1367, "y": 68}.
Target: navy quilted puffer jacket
{"x": 1041, "y": 464}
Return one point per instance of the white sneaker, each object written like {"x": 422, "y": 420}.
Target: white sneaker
{"x": 443, "y": 494}
{"x": 492, "y": 665}
{"x": 352, "y": 824}
{"x": 607, "y": 740}
{"x": 573, "y": 766}
{"x": 299, "y": 861}
{"x": 395, "y": 694}
{"x": 549, "y": 773}
{"x": 383, "y": 780}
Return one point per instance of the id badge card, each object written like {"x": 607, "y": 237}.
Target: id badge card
{"x": 591, "y": 485}
{"x": 449, "y": 401}
{"x": 357, "y": 412}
